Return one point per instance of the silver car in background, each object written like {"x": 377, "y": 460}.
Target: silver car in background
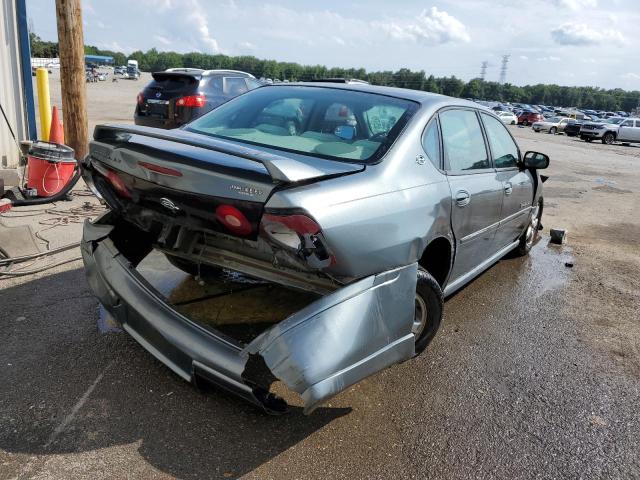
{"x": 378, "y": 201}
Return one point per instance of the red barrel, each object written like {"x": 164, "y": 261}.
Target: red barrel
{"x": 50, "y": 166}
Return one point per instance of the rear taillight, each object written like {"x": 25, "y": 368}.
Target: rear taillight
{"x": 160, "y": 169}
{"x": 118, "y": 184}
{"x": 300, "y": 233}
{"x": 233, "y": 220}
{"x": 194, "y": 101}
{"x": 140, "y": 98}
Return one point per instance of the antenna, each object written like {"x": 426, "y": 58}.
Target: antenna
{"x": 483, "y": 70}
{"x": 503, "y": 68}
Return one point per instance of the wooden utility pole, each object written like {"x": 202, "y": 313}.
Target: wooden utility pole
{"x": 72, "y": 75}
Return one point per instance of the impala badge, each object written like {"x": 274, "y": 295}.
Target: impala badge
{"x": 169, "y": 205}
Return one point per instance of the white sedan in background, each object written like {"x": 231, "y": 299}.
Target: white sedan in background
{"x": 552, "y": 125}
{"x": 507, "y": 118}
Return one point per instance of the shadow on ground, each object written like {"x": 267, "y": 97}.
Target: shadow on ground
{"x": 52, "y": 354}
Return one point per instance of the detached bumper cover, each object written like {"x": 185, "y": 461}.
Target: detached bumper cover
{"x": 319, "y": 351}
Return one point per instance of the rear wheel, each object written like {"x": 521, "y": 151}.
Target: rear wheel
{"x": 428, "y": 310}
{"x": 513, "y": 122}
{"x": 608, "y": 138}
{"x": 531, "y": 233}
{"x": 553, "y": 130}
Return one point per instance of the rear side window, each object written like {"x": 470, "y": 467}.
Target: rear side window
{"x": 431, "y": 143}
{"x": 463, "y": 141}
{"x": 503, "y": 149}
{"x": 235, "y": 86}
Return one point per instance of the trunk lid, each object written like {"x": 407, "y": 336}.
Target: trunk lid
{"x": 198, "y": 181}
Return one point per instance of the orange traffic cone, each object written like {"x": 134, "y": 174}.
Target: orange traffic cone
{"x": 56, "y": 134}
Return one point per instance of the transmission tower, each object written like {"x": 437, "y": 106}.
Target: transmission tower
{"x": 483, "y": 70}
{"x": 503, "y": 68}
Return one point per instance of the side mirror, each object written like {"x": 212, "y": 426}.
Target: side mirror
{"x": 535, "y": 160}
{"x": 345, "y": 132}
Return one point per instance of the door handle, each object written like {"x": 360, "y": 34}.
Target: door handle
{"x": 508, "y": 188}
{"x": 462, "y": 198}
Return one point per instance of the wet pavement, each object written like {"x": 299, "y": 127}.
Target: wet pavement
{"x": 534, "y": 374}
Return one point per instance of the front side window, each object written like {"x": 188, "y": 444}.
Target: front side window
{"x": 463, "y": 141}
{"x": 627, "y": 123}
{"x": 503, "y": 149}
{"x": 320, "y": 121}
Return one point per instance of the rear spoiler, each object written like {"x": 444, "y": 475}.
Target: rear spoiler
{"x": 192, "y": 75}
{"x": 285, "y": 168}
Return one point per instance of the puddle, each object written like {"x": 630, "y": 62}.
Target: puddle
{"x": 604, "y": 181}
{"x": 546, "y": 269}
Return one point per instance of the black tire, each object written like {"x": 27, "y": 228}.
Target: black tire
{"x": 608, "y": 138}
{"x": 513, "y": 122}
{"x": 525, "y": 123}
{"x": 529, "y": 236}
{"x": 553, "y": 130}
{"x": 204, "y": 271}
{"x": 587, "y": 139}
{"x": 428, "y": 295}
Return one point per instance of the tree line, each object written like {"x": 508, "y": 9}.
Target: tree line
{"x": 541, "y": 94}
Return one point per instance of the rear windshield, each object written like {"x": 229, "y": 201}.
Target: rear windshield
{"x": 325, "y": 122}
{"x": 172, "y": 82}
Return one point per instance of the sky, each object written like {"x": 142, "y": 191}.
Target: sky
{"x": 567, "y": 42}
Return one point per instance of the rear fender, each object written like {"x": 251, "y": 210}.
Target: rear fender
{"x": 343, "y": 337}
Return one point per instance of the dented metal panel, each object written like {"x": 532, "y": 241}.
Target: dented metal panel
{"x": 343, "y": 337}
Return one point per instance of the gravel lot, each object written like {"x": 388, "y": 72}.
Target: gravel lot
{"x": 535, "y": 373}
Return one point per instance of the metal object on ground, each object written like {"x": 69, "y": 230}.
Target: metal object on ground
{"x": 558, "y": 235}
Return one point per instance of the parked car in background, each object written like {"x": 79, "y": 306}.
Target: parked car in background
{"x": 177, "y": 96}
{"x": 529, "y": 117}
{"x": 552, "y": 125}
{"x": 606, "y": 130}
{"x": 629, "y": 131}
{"x": 507, "y": 118}
{"x": 572, "y": 128}
{"x": 291, "y": 184}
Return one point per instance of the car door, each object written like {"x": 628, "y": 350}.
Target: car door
{"x": 476, "y": 193}
{"x": 517, "y": 184}
{"x": 625, "y": 131}
{"x": 563, "y": 123}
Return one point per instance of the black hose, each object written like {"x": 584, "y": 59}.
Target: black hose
{"x": 54, "y": 198}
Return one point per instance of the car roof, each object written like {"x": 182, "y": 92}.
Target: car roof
{"x": 426, "y": 99}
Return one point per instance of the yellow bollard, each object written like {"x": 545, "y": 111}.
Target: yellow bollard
{"x": 44, "y": 102}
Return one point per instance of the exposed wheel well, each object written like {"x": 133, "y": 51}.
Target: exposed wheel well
{"x": 436, "y": 259}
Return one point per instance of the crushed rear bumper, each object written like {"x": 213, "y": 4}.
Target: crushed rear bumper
{"x": 319, "y": 351}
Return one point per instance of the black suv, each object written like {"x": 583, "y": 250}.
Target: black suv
{"x": 178, "y": 95}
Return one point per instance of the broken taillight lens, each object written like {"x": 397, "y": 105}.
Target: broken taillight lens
{"x": 118, "y": 184}
{"x": 300, "y": 233}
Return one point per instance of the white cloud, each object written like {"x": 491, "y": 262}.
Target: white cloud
{"x": 581, "y": 34}
{"x": 189, "y": 23}
{"x": 550, "y": 58}
{"x": 631, "y": 76}
{"x": 162, "y": 40}
{"x": 524, "y": 57}
{"x": 432, "y": 27}
{"x": 577, "y": 4}
{"x": 246, "y": 46}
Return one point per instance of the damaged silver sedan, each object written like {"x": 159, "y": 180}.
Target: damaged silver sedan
{"x": 378, "y": 201}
